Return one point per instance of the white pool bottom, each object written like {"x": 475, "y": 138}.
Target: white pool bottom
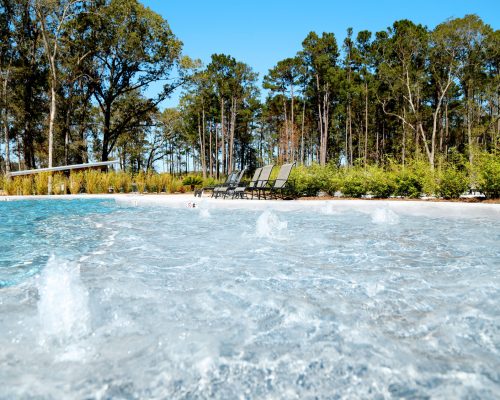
{"x": 355, "y": 299}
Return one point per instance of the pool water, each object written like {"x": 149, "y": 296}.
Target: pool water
{"x": 105, "y": 299}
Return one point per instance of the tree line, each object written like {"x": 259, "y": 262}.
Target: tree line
{"x": 75, "y": 78}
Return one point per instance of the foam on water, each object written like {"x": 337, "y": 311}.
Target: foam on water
{"x": 270, "y": 226}
{"x": 63, "y": 309}
{"x": 384, "y": 216}
{"x": 204, "y": 213}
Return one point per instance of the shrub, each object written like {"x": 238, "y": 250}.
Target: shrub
{"x": 304, "y": 183}
{"x": 92, "y": 181}
{"x": 380, "y": 183}
{"x": 408, "y": 185}
{"x": 489, "y": 175}
{"x": 12, "y": 186}
{"x": 452, "y": 183}
{"x": 59, "y": 184}
{"x": 41, "y": 183}
{"x": 308, "y": 181}
{"x": 154, "y": 183}
{"x": 354, "y": 183}
{"x": 140, "y": 181}
{"x": 122, "y": 182}
{"x": 75, "y": 182}
{"x": 192, "y": 181}
{"x": 27, "y": 185}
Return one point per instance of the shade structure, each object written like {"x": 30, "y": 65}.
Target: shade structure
{"x": 64, "y": 168}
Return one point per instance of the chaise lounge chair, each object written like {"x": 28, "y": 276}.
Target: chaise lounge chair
{"x": 224, "y": 190}
{"x": 262, "y": 181}
{"x": 280, "y": 186}
{"x": 240, "y": 191}
{"x": 229, "y": 180}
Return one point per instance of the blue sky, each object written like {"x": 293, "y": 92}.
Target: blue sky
{"x": 260, "y": 33}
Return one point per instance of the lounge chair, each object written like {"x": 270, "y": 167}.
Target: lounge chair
{"x": 230, "y": 178}
{"x": 262, "y": 181}
{"x": 240, "y": 191}
{"x": 224, "y": 190}
{"x": 280, "y": 185}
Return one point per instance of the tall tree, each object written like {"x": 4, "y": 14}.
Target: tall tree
{"x": 135, "y": 48}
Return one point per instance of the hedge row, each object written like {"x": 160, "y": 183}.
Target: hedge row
{"x": 94, "y": 182}
{"x": 448, "y": 181}
{"x": 413, "y": 181}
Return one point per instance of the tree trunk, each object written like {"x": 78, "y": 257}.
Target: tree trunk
{"x": 231, "y": 133}
{"x": 366, "y": 122}
{"x": 52, "y": 118}
{"x": 6, "y": 125}
{"x": 302, "y": 133}
{"x": 223, "y": 136}
{"x": 203, "y": 155}
{"x": 469, "y": 122}
{"x": 210, "y": 153}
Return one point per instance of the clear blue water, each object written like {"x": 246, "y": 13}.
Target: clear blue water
{"x": 106, "y": 300}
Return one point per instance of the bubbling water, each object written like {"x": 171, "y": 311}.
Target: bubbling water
{"x": 384, "y": 216}
{"x": 270, "y": 226}
{"x": 63, "y": 310}
{"x": 204, "y": 213}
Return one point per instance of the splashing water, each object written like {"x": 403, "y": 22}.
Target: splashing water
{"x": 384, "y": 216}
{"x": 270, "y": 226}
{"x": 63, "y": 309}
{"x": 204, "y": 213}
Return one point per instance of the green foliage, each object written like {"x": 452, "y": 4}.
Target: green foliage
{"x": 308, "y": 181}
{"x": 140, "y": 181}
{"x": 122, "y": 182}
{"x": 75, "y": 182}
{"x": 93, "y": 181}
{"x": 489, "y": 175}
{"x": 11, "y": 187}
{"x": 380, "y": 183}
{"x": 154, "y": 183}
{"x": 27, "y": 185}
{"x": 354, "y": 183}
{"x": 59, "y": 184}
{"x": 193, "y": 181}
{"x": 42, "y": 183}
{"x": 408, "y": 184}
{"x": 452, "y": 183}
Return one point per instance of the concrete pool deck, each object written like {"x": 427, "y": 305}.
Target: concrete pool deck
{"x": 330, "y": 206}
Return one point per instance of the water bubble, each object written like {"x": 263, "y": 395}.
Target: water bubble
{"x": 63, "y": 309}
{"x": 270, "y": 226}
{"x": 384, "y": 216}
{"x": 204, "y": 213}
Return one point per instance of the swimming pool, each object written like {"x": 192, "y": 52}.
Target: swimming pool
{"x": 125, "y": 299}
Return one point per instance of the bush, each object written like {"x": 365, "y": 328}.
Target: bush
{"x": 41, "y": 183}
{"x": 489, "y": 175}
{"x": 93, "y": 181}
{"x": 308, "y": 181}
{"x": 380, "y": 183}
{"x": 354, "y": 183}
{"x": 75, "y": 182}
{"x": 59, "y": 184}
{"x": 27, "y": 185}
{"x": 192, "y": 181}
{"x": 452, "y": 183}
{"x": 140, "y": 181}
{"x": 122, "y": 182}
{"x": 154, "y": 183}
{"x": 408, "y": 185}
